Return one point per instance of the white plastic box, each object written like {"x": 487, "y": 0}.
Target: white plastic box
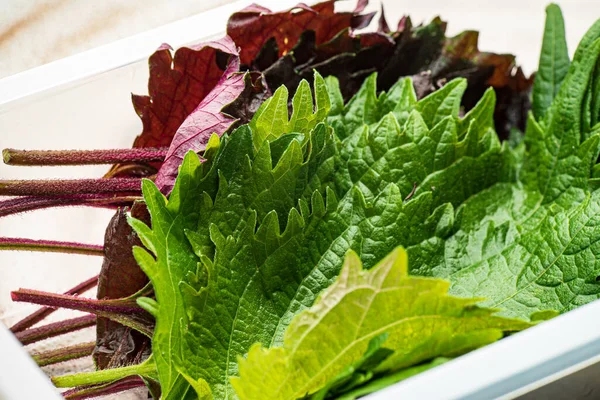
{"x": 83, "y": 102}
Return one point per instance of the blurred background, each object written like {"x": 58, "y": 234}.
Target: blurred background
{"x": 35, "y": 32}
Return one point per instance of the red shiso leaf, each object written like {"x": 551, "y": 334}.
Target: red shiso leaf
{"x": 176, "y": 86}
{"x": 120, "y": 277}
{"x": 253, "y": 26}
{"x": 360, "y": 6}
{"x": 206, "y": 119}
{"x": 382, "y": 25}
{"x": 178, "y": 83}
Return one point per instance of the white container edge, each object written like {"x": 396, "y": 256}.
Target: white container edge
{"x": 505, "y": 369}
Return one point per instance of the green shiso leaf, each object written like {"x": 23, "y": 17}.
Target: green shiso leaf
{"x": 554, "y": 62}
{"x": 422, "y": 322}
{"x": 225, "y": 252}
{"x": 252, "y": 235}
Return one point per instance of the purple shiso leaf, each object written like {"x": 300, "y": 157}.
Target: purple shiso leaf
{"x": 205, "y": 120}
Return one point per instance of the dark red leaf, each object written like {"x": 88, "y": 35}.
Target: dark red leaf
{"x": 177, "y": 84}
{"x": 404, "y": 23}
{"x": 483, "y": 70}
{"x": 247, "y": 103}
{"x": 205, "y": 120}
{"x": 360, "y": 6}
{"x": 383, "y": 26}
{"x": 422, "y": 52}
{"x": 359, "y": 21}
{"x": 120, "y": 277}
{"x": 349, "y": 58}
{"x": 253, "y": 26}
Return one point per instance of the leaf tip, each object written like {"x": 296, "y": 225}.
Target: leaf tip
{"x": 6, "y": 156}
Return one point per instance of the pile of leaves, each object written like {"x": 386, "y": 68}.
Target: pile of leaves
{"x": 367, "y": 228}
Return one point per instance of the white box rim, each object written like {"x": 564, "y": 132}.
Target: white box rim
{"x": 20, "y": 377}
{"x": 512, "y": 366}
{"x": 519, "y": 362}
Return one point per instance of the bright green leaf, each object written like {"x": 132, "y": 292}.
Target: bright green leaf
{"x": 421, "y": 320}
{"x": 554, "y": 63}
